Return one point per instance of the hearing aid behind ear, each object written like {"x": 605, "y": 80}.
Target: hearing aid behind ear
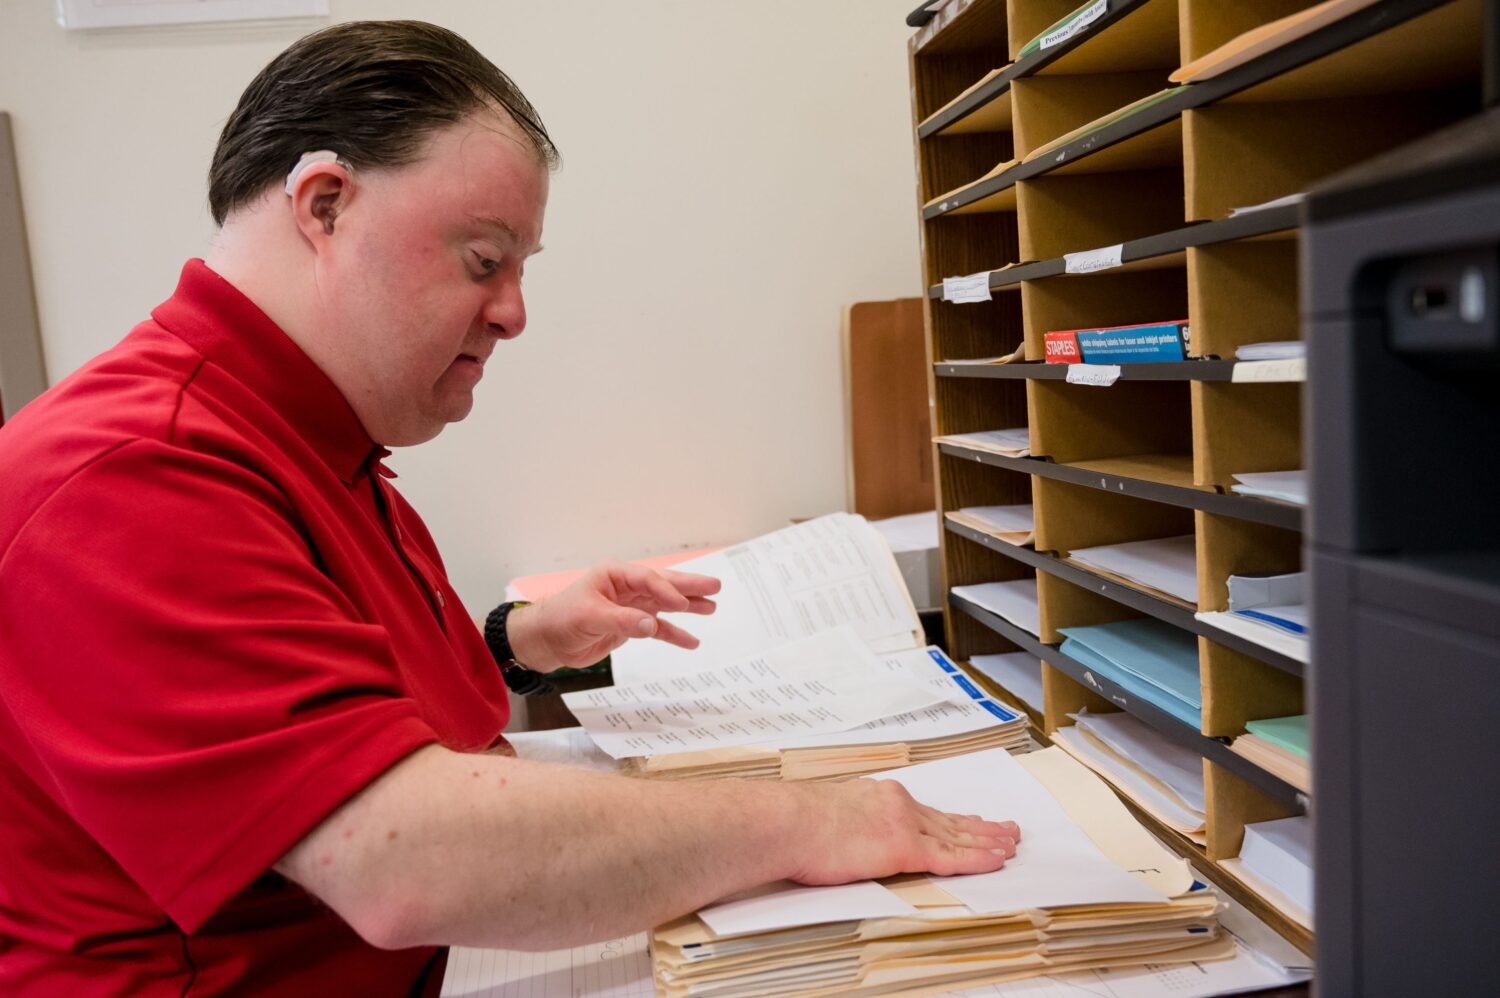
{"x": 309, "y": 158}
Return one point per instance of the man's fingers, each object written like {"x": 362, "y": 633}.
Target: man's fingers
{"x": 659, "y": 594}
{"x": 697, "y": 604}
{"x": 946, "y": 859}
{"x": 674, "y": 635}
{"x": 690, "y": 584}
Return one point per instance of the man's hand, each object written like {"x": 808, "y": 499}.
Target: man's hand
{"x": 612, "y": 602}
{"x": 863, "y": 829}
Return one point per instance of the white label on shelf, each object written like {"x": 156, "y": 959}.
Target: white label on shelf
{"x": 1102, "y": 375}
{"x": 1287, "y": 369}
{"x": 1088, "y": 261}
{"x": 1085, "y": 17}
{"x": 974, "y": 287}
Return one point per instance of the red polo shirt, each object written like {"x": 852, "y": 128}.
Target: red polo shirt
{"x": 217, "y": 624}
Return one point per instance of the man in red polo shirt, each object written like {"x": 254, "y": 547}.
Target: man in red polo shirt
{"x": 249, "y": 739}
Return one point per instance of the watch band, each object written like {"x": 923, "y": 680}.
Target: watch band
{"x": 517, "y": 677}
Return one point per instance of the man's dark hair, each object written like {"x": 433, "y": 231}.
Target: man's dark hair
{"x": 372, "y": 91}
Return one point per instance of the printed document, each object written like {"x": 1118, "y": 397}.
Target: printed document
{"x": 820, "y": 685}
{"x": 786, "y": 585}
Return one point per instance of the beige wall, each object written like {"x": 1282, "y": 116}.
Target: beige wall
{"x": 734, "y": 172}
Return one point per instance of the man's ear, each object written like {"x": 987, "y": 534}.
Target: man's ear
{"x": 320, "y": 194}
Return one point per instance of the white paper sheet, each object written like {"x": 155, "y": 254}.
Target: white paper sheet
{"x": 1018, "y": 671}
{"x": 912, "y": 532}
{"x": 822, "y": 684}
{"x": 1271, "y": 350}
{"x": 1014, "y": 442}
{"x": 1181, "y": 769}
{"x": 1169, "y": 564}
{"x": 1015, "y": 600}
{"x": 1280, "y": 851}
{"x": 1166, "y": 807}
{"x": 799, "y": 905}
{"x": 565, "y": 746}
{"x": 964, "y": 709}
{"x": 1056, "y": 862}
{"x": 1288, "y": 486}
{"x": 1017, "y": 519}
{"x": 785, "y": 585}
{"x": 1261, "y": 633}
{"x": 620, "y": 968}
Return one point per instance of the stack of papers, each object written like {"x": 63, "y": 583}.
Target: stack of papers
{"x": 1167, "y": 565}
{"x": 1065, "y": 901}
{"x": 1279, "y": 746}
{"x": 789, "y": 584}
{"x": 1288, "y": 486}
{"x": 944, "y": 714}
{"x": 1019, "y": 673}
{"x": 1164, "y": 778}
{"x": 1276, "y": 860}
{"x": 1008, "y": 443}
{"x": 1015, "y": 600}
{"x": 1268, "y": 610}
{"x": 621, "y": 968}
{"x": 1154, "y": 661}
{"x": 1273, "y": 350}
{"x": 1012, "y": 524}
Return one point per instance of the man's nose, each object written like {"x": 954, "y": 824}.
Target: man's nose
{"x": 505, "y": 313}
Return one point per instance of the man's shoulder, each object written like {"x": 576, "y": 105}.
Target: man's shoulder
{"x": 130, "y": 393}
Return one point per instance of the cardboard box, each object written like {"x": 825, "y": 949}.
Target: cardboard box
{"x": 1148, "y": 343}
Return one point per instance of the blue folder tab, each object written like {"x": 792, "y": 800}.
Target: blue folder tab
{"x": 1155, "y": 661}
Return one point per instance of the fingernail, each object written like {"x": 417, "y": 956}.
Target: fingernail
{"x": 646, "y": 627}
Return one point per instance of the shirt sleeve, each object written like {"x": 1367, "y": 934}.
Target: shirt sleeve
{"x": 191, "y": 688}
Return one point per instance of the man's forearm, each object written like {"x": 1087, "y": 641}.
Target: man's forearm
{"x": 488, "y": 851}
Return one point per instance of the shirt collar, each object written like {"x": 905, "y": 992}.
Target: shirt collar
{"x": 216, "y": 319}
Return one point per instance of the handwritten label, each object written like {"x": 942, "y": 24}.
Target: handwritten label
{"x": 1287, "y": 369}
{"x": 1102, "y": 375}
{"x": 1089, "y": 261}
{"x": 1085, "y": 17}
{"x": 974, "y": 287}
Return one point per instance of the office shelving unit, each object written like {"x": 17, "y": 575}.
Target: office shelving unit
{"x": 1012, "y": 179}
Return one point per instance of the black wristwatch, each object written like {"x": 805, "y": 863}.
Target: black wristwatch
{"x": 519, "y": 678}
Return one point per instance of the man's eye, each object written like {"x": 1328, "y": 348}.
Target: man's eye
{"x": 487, "y": 265}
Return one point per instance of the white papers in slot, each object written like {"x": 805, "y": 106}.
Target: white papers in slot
{"x": 1280, "y": 852}
{"x": 1288, "y": 486}
{"x": 1167, "y": 564}
{"x": 1018, "y": 672}
{"x": 1178, "y": 768}
{"x": 1268, "y": 205}
{"x": 822, "y": 684}
{"x": 1013, "y": 524}
{"x": 1164, "y": 807}
{"x": 1275, "y": 638}
{"x": 782, "y": 586}
{"x": 1015, "y": 600}
{"x": 1271, "y": 350}
{"x": 1015, "y": 442}
{"x": 1246, "y": 592}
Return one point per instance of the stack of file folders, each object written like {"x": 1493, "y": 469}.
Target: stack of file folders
{"x": 1279, "y": 746}
{"x": 1147, "y": 658}
{"x": 961, "y": 718}
{"x": 1087, "y": 888}
{"x": 1162, "y": 777}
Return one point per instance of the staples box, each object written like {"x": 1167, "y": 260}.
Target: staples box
{"x": 1062, "y": 347}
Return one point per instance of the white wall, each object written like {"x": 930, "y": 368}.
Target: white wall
{"x": 734, "y": 172}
